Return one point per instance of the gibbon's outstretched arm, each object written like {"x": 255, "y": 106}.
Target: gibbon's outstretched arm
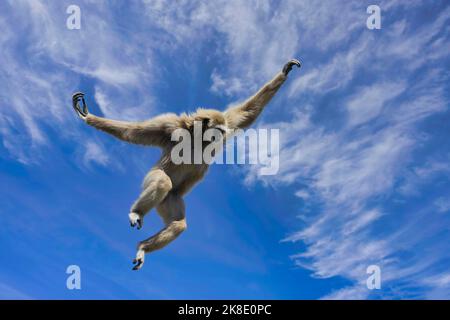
{"x": 242, "y": 116}
{"x": 155, "y": 132}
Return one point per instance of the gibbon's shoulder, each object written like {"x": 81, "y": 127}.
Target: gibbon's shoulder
{"x": 161, "y": 119}
{"x": 166, "y": 122}
{"x": 212, "y": 115}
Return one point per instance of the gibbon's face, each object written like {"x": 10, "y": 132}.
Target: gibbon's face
{"x": 212, "y": 119}
{"x": 222, "y": 128}
{"x": 218, "y": 124}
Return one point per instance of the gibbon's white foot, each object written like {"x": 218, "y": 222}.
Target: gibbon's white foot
{"x": 82, "y": 112}
{"x": 139, "y": 261}
{"x": 288, "y": 66}
{"x": 135, "y": 220}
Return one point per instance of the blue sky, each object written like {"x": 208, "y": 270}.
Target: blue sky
{"x": 364, "y": 149}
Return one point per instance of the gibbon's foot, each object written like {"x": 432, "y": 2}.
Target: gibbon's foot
{"x": 288, "y": 66}
{"x": 136, "y": 220}
{"x": 82, "y": 112}
{"x": 139, "y": 260}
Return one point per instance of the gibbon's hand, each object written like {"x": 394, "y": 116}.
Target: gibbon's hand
{"x": 82, "y": 112}
{"x": 288, "y": 66}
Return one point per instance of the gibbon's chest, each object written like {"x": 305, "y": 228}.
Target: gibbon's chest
{"x": 185, "y": 176}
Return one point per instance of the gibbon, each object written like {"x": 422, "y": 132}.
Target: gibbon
{"x": 166, "y": 183}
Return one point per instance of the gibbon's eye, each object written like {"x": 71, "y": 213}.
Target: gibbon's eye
{"x": 205, "y": 124}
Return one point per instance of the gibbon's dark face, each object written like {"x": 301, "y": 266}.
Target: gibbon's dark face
{"x": 210, "y": 119}
{"x": 220, "y": 130}
{"x": 211, "y": 124}
{"x": 217, "y": 121}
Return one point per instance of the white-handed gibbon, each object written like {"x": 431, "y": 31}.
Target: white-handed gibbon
{"x": 167, "y": 182}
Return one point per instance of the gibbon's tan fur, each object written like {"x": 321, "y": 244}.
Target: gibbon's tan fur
{"x": 166, "y": 183}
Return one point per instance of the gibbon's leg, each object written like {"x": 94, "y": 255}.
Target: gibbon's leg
{"x": 156, "y": 186}
{"x": 172, "y": 211}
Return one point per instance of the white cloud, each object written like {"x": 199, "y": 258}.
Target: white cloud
{"x": 349, "y": 293}
{"x": 419, "y": 176}
{"x": 303, "y": 194}
{"x": 43, "y": 66}
{"x": 335, "y": 73}
{"x": 440, "y": 280}
{"x": 367, "y": 104}
{"x": 257, "y": 37}
{"x": 11, "y": 293}
{"x": 95, "y": 153}
{"x": 442, "y": 204}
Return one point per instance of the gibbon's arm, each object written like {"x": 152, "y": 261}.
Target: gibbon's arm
{"x": 155, "y": 132}
{"x": 242, "y": 116}
{"x": 150, "y": 132}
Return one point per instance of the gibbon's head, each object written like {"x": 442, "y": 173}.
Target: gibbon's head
{"x": 209, "y": 119}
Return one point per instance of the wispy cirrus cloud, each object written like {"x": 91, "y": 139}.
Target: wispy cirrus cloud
{"x": 10, "y": 293}
{"x": 353, "y": 165}
{"x": 95, "y": 153}
{"x": 46, "y": 65}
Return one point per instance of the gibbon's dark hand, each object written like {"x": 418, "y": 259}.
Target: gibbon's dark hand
{"x": 288, "y": 66}
{"x": 82, "y": 112}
